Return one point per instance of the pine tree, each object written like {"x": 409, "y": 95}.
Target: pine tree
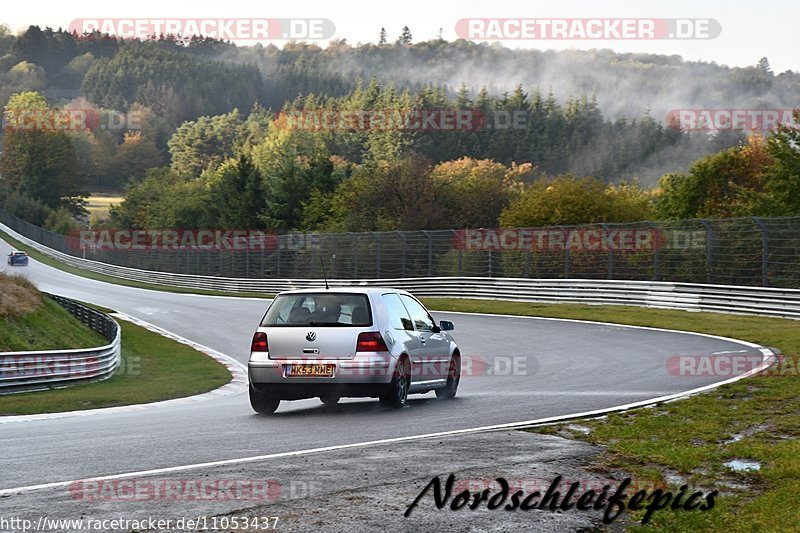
{"x": 405, "y": 37}
{"x": 382, "y": 39}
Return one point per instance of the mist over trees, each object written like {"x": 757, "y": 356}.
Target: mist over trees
{"x": 205, "y": 119}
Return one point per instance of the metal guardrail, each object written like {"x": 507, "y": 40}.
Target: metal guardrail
{"x": 46, "y": 369}
{"x": 665, "y": 295}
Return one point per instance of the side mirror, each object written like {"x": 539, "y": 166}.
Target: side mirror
{"x": 446, "y": 325}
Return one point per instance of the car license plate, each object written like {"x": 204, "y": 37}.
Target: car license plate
{"x": 312, "y": 371}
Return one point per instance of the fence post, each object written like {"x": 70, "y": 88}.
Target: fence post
{"x": 357, "y": 252}
{"x": 294, "y": 256}
{"x": 247, "y": 262}
{"x": 764, "y": 252}
{"x": 430, "y": 252}
{"x": 709, "y": 249}
{"x": 656, "y": 251}
{"x": 315, "y": 256}
{"x": 403, "y": 260}
{"x": 278, "y": 256}
{"x": 377, "y": 255}
{"x": 460, "y": 253}
{"x": 335, "y": 246}
{"x": 610, "y": 259}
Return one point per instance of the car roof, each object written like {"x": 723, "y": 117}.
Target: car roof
{"x": 351, "y": 289}
{"x": 18, "y": 252}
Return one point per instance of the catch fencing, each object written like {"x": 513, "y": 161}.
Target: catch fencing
{"x": 741, "y": 251}
{"x": 765, "y": 301}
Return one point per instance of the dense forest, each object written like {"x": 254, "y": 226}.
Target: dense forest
{"x": 200, "y": 132}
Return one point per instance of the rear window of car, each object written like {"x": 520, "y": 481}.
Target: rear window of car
{"x": 319, "y": 309}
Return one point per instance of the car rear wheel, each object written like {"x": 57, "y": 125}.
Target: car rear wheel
{"x": 397, "y": 394}
{"x": 263, "y": 403}
{"x": 453, "y": 377}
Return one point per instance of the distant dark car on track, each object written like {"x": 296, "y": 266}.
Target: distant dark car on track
{"x": 17, "y": 258}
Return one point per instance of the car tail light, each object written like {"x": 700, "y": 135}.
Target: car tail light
{"x": 371, "y": 341}
{"x": 259, "y": 343}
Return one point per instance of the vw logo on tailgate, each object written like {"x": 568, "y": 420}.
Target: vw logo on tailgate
{"x": 311, "y": 336}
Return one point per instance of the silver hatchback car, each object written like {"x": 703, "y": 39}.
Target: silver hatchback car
{"x": 353, "y": 341}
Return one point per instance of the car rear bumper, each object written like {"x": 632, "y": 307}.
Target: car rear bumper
{"x": 299, "y": 391}
{"x": 364, "y": 375}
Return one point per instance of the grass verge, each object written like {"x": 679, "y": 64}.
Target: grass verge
{"x": 48, "y": 327}
{"x": 42, "y": 258}
{"x": 153, "y": 368}
{"x": 689, "y": 441}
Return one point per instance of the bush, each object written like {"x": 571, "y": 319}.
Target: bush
{"x": 27, "y": 208}
{"x": 61, "y": 221}
{"x": 567, "y": 200}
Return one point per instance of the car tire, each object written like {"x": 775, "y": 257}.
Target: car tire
{"x": 329, "y": 401}
{"x": 263, "y": 403}
{"x": 396, "y": 396}
{"x": 453, "y": 378}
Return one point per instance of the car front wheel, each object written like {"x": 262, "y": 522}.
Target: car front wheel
{"x": 453, "y": 377}
{"x": 263, "y": 403}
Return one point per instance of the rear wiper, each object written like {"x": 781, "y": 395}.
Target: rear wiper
{"x": 326, "y": 324}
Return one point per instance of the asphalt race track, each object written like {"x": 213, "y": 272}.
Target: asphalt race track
{"x": 562, "y": 367}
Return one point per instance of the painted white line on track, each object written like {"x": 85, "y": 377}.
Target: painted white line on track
{"x": 558, "y": 393}
{"x": 237, "y": 384}
{"x": 767, "y": 357}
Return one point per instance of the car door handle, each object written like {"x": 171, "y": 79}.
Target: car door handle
{"x": 422, "y": 340}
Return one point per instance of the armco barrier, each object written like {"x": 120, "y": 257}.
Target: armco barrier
{"x": 688, "y": 296}
{"x": 39, "y": 370}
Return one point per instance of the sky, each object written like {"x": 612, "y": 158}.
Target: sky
{"x": 749, "y": 30}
